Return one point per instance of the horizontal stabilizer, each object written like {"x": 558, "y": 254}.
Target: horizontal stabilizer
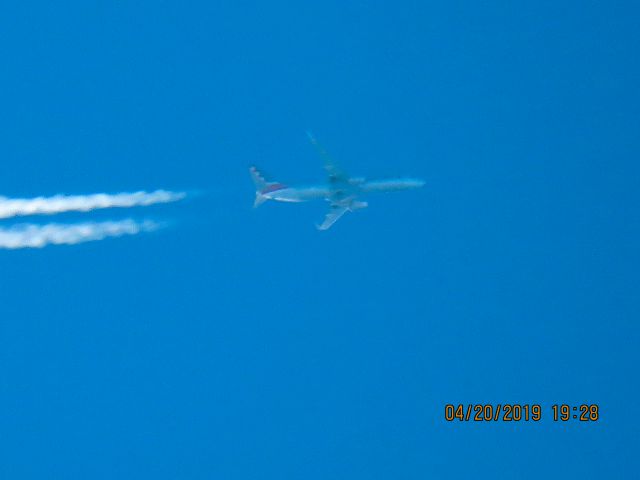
{"x": 260, "y": 199}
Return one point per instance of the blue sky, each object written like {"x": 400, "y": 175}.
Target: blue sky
{"x": 245, "y": 344}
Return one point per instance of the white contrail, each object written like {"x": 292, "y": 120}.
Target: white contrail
{"x": 14, "y": 207}
{"x": 38, "y": 236}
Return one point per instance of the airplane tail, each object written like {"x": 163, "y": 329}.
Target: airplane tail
{"x": 261, "y": 185}
{"x": 260, "y": 199}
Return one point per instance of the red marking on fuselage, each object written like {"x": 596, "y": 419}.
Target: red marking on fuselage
{"x": 273, "y": 188}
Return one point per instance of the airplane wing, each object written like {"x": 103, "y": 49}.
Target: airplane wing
{"x": 333, "y": 216}
{"x": 336, "y": 175}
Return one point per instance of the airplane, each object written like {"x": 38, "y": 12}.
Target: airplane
{"x": 341, "y": 191}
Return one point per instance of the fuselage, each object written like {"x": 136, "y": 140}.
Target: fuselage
{"x": 299, "y": 194}
{"x": 341, "y": 191}
{"x": 284, "y": 193}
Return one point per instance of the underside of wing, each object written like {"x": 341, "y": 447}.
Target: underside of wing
{"x": 336, "y": 175}
{"x": 333, "y": 216}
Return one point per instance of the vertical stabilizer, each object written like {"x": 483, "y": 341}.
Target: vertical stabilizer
{"x": 261, "y": 186}
{"x": 258, "y": 179}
